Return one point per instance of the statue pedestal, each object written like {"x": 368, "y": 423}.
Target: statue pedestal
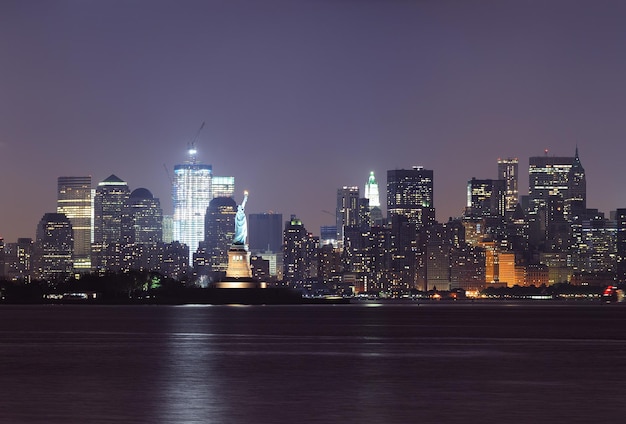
{"x": 238, "y": 273}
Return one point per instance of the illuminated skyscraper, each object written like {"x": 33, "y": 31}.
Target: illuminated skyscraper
{"x": 508, "y": 171}
{"x": 576, "y": 198}
{"x": 372, "y": 194}
{"x": 74, "y": 200}
{"x": 222, "y": 186}
{"x": 142, "y": 219}
{"x": 219, "y": 230}
{"x": 109, "y": 202}
{"x": 53, "y": 248}
{"x": 191, "y": 195}
{"x": 410, "y": 194}
{"x": 347, "y": 211}
{"x": 371, "y": 191}
{"x": 485, "y": 198}
{"x": 547, "y": 176}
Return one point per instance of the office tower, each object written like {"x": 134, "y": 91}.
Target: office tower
{"x": 222, "y": 186}
{"x": 191, "y": 194}
{"x": 74, "y": 201}
{"x": 508, "y": 171}
{"x": 265, "y": 232}
{"x": 219, "y": 231}
{"x": 296, "y": 253}
{"x": 576, "y": 198}
{"x": 486, "y": 198}
{"x": 547, "y": 176}
{"x": 347, "y": 211}
{"x": 110, "y": 199}
{"x": 53, "y": 248}
{"x": 410, "y": 194}
{"x": 142, "y": 218}
{"x": 142, "y": 230}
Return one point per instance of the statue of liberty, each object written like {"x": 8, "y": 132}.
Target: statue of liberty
{"x": 241, "y": 226}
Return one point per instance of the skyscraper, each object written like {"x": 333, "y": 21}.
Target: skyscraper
{"x": 219, "y": 230}
{"x": 371, "y": 191}
{"x": 410, "y": 194}
{"x": 486, "y": 198}
{"x": 74, "y": 201}
{"x": 547, "y": 176}
{"x": 576, "y": 198}
{"x": 142, "y": 221}
{"x": 191, "y": 195}
{"x": 53, "y": 248}
{"x": 110, "y": 199}
{"x": 372, "y": 194}
{"x": 508, "y": 171}
{"x": 347, "y": 211}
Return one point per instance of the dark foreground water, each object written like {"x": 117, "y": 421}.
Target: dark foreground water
{"x": 313, "y": 364}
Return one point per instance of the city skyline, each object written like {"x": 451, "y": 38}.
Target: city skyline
{"x": 301, "y": 99}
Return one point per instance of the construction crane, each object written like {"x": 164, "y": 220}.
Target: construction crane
{"x": 167, "y": 171}
{"x": 191, "y": 146}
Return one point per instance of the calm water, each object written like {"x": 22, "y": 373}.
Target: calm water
{"x": 313, "y": 364}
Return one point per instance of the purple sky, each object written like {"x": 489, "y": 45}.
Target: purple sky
{"x": 303, "y": 97}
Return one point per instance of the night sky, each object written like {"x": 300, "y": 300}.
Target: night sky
{"x": 303, "y": 97}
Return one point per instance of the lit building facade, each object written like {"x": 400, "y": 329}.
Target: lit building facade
{"x": 219, "y": 230}
{"x": 486, "y": 198}
{"x": 547, "y": 176}
{"x": 372, "y": 192}
{"x": 508, "y": 171}
{"x": 53, "y": 248}
{"x": 410, "y": 194}
{"x": 191, "y": 195}
{"x": 74, "y": 201}
{"x": 347, "y": 211}
{"x": 109, "y": 202}
{"x": 142, "y": 230}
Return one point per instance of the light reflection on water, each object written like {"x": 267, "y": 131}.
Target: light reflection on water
{"x": 307, "y": 365}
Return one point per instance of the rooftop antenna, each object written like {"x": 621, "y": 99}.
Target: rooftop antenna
{"x": 191, "y": 146}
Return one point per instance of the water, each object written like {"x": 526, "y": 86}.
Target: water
{"x": 312, "y": 364}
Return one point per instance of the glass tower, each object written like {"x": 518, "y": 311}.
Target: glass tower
{"x": 508, "y": 171}
{"x": 109, "y": 202}
{"x": 191, "y": 194}
{"x": 74, "y": 201}
{"x": 410, "y": 194}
